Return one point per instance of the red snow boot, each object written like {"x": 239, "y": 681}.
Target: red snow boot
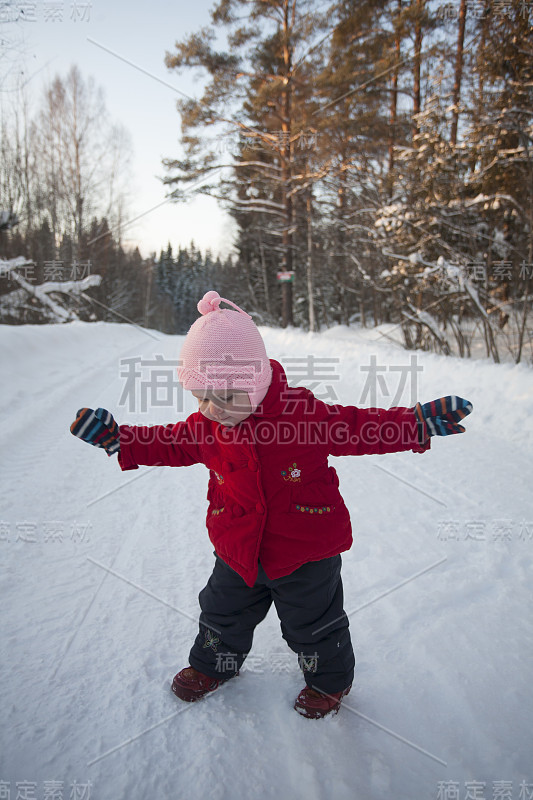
{"x": 191, "y": 685}
{"x": 314, "y": 705}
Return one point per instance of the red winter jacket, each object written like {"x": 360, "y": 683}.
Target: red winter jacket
{"x": 272, "y": 496}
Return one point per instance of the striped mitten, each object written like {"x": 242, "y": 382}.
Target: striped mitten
{"x": 441, "y": 417}
{"x": 97, "y": 428}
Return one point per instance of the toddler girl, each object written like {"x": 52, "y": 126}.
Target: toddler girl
{"x": 276, "y": 518}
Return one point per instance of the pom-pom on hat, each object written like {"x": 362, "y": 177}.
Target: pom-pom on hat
{"x": 224, "y": 350}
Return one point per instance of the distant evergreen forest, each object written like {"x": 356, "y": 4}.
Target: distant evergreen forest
{"x": 378, "y": 154}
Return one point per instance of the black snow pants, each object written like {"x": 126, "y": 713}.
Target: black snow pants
{"x": 309, "y": 603}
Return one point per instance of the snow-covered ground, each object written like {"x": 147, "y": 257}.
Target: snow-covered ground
{"x": 101, "y": 571}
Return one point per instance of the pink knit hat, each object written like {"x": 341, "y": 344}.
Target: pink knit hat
{"x": 224, "y": 350}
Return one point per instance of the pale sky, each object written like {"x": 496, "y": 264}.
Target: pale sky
{"x": 141, "y": 33}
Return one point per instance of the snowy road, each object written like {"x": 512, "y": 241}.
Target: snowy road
{"x": 101, "y": 572}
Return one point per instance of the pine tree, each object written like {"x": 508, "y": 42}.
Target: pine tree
{"x": 261, "y": 80}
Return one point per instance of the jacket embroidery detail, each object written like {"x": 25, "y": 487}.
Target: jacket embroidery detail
{"x": 292, "y": 473}
{"x": 220, "y": 478}
{"x": 216, "y": 511}
{"x": 313, "y": 509}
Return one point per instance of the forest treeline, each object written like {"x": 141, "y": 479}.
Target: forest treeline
{"x": 378, "y": 154}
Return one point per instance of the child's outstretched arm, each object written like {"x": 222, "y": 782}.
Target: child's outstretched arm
{"x": 375, "y": 431}
{"x": 172, "y": 445}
